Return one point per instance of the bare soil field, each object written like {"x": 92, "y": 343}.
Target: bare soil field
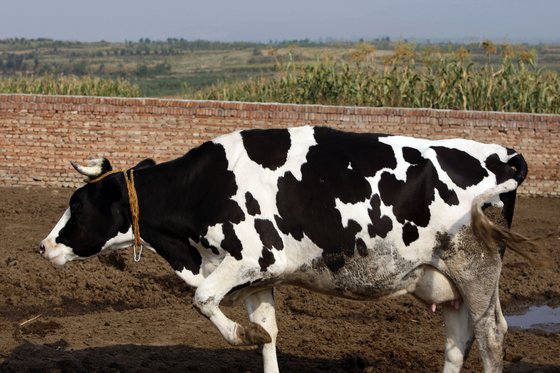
{"x": 110, "y": 314}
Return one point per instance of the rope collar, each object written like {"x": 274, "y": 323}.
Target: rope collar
{"x": 134, "y": 209}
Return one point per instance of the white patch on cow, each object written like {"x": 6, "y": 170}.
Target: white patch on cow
{"x": 58, "y": 254}
{"x": 357, "y": 212}
{"x": 302, "y": 139}
{"x": 350, "y": 166}
{"x": 120, "y": 241}
{"x": 190, "y": 278}
{"x": 298, "y": 253}
{"x": 249, "y": 238}
{"x": 61, "y": 223}
{"x": 402, "y": 165}
{"x": 260, "y": 181}
{"x": 215, "y": 235}
{"x": 209, "y": 260}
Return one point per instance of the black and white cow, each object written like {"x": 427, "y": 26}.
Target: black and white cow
{"x": 361, "y": 216}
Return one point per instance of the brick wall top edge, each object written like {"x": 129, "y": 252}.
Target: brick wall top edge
{"x": 150, "y": 104}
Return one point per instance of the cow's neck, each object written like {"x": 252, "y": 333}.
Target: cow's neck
{"x": 165, "y": 213}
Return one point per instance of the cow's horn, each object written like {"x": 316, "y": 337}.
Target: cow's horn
{"x": 95, "y": 167}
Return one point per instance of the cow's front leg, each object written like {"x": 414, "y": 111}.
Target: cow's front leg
{"x": 459, "y": 337}
{"x": 261, "y": 310}
{"x": 229, "y": 274}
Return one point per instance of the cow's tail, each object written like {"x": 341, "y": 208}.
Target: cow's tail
{"x": 492, "y": 235}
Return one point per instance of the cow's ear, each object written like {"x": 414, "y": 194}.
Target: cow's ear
{"x": 95, "y": 167}
{"x": 145, "y": 164}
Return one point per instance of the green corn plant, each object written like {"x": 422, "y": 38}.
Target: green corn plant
{"x": 445, "y": 82}
{"x": 68, "y": 85}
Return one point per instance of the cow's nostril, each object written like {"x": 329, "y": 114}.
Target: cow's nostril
{"x": 41, "y": 249}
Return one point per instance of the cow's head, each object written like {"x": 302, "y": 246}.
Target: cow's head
{"x": 98, "y": 216}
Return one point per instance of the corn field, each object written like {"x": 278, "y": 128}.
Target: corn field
{"x": 68, "y": 85}
{"x": 515, "y": 84}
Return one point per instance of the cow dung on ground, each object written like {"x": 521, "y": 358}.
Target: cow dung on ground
{"x": 111, "y": 314}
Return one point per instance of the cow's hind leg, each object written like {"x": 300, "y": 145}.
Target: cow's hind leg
{"x": 230, "y": 274}
{"x": 475, "y": 271}
{"x": 261, "y": 310}
{"x": 458, "y": 337}
{"x": 490, "y": 328}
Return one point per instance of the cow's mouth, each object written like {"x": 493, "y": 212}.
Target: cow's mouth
{"x": 58, "y": 261}
{"x": 58, "y": 255}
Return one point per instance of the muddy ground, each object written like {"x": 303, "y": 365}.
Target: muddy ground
{"x": 110, "y": 314}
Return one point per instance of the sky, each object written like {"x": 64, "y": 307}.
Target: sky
{"x": 263, "y": 20}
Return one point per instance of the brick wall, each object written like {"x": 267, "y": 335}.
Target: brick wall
{"x": 39, "y": 135}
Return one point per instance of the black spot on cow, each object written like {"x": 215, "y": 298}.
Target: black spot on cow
{"x": 380, "y": 225}
{"x": 266, "y": 259}
{"x": 197, "y": 197}
{"x": 268, "y": 234}
{"x": 204, "y": 242}
{"x": 179, "y": 253}
{"x": 205, "y": 186}
{"x": 335, "y": 151}
{"x": 447, "y": 195}
{"x": 361, "y": 247}
{"x": 411, "y": 198}
{"x": 308, "y": 206}
{"x": 502, "y": 170}
{"x": 231, "y": 242}
{"x": 463, "y": 169}
{"x": 253, "y": 207}
{"x": 412, "y": 156}
{"x": 269, "y": 148}
{"x": 410, "y": 233}
{"x": 349, "y": 242}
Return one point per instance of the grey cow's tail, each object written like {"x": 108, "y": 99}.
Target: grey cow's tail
{"x": 492, "y": 235}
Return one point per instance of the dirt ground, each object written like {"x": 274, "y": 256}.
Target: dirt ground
{"x": 109, "y": 314}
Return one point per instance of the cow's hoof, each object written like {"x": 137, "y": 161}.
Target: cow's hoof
{"x": 253, "y": 334}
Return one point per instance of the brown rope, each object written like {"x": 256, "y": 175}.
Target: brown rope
{"x": 103, "y": 176}
{"x": 134, "y": 209}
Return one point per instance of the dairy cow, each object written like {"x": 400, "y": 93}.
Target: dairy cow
{"x": 361, "y": 216}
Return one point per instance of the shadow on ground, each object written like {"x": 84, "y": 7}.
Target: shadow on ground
{"x": 29, "y": 357}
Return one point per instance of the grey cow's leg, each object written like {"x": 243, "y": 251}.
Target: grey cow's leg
{"x": 490, "y": 328}
{"x": 475, "y": 271}
{"x": 480, "y": 296}
{"x": 207, "y": 298}
{"x": 261, "y": 309}
{"x": 458, "y": 337}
